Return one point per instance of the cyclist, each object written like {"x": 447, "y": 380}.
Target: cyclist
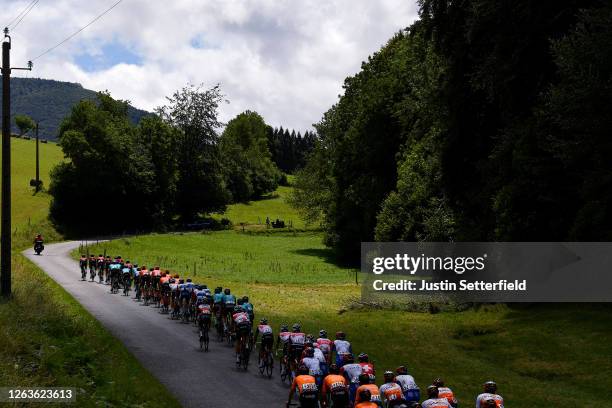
{"x": 409, "y": 387}
{"x": 204, "y": 314}
{"x": 306, "y": 387}
{"x": 434, "y": 400}
{"x": 366, "y": 366}
{"x": 83, "y": 265}
{"x": 391, "y": 392}
{"x": 366, "y": 383}
{"x": 107, "y": 262}
{"x": 342, "y": 348}
{"x": 241, "y": 325}
{"x": 351, "y": 371}
{"x": 248, "y": 307}
{"x": 365, "y": 396}
{"x": 127, "y": 278}
{"x": 313, "y": 364}
{"x": 335, "y": 389}
{"x": 490, "y": 393}
{"x": 101, "y": 266}
{"x": 92, "y": 267}
{"x": 325, "y": 345}
{"x": 445, "y": 392}
{"x": 267, "y": 339}
{"x": 321, "y": 357}
{"x": 296, "y": 345}
{"x": 229, "y": 302}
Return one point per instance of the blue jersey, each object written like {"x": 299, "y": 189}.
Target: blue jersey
{"x": 229, "y": 300}
{"x": 247, "y": 307}
{"x": 218, "y": 298}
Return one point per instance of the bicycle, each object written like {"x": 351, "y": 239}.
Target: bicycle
{"x": 266, "y": 364}
{"x": 83, "y": 273}
{"x": 245, "y": 352}
{"x": 92, "y": 273}
{"x": 284, "y": 368}
{"x": 114, "y": 285}
{"x": 126, "y": 287}
{"x": 204, "y": 336}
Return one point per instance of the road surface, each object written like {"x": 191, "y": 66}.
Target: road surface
{"x": 197, "y": 379}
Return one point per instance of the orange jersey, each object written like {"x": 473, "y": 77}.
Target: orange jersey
{"x": 373, "y": 390}
{"x": 392, "y": 392}
{"x": 367, "y": 404}
{"x": 304, "y": 383}
{"x": 334, "y": 383}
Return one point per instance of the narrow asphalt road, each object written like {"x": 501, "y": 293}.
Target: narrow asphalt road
{"x": 197, "y": 379}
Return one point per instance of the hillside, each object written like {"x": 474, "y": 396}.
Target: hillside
{"x": 48, "y": 102}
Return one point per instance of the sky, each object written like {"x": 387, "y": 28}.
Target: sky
{"x": 285, "y": 59}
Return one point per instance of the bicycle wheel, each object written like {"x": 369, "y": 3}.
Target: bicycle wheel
{"x": 261, "y": 364}
{"x": 269, "y": 365}
{"x": 201, "y": 340}
{"x": 245, "y": 356}
{"x": 206, "y": 339}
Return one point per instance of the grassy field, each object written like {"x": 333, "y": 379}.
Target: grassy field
{"x": 548, "y": 355}
{"x": 47, "y": 338}
{"x": 274, "y": 205}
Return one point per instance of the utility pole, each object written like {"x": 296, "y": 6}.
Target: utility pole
{"x": 5, "y": 223}
{"x": 37, "y": 162}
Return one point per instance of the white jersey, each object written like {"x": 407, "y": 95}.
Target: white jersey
{"x": 319, "y": 355}
{"x": 406, "y": 382}
{"x": 264, "y": 329}
{"x": 313, "y": 364}
{"x": 436, "y": 403}
{"x": 284, "y": 336}
{"x": 482, "y": 398}
{"x": 352, "y": 371}
{"x": 342, "y": 346}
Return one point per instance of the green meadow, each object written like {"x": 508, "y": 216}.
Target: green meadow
{"x": 540, "y": 355}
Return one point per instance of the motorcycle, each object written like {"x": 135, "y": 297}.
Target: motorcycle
{"x": 38, "y": 247}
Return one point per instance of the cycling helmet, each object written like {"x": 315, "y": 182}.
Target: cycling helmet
{"x": 363, "y": 358}
{"x": 227, "y": 291}
{"x": 365, "y": 395}
{"x": 438, "y": 382}
{"x": 389, "y": 376}
{"x": 340, "y": 335}
{"x": 364, "y": 379}
{"x": 217, "y": 290}
{"x": 188, "y": 279}
{"x": 263, "y": 321}
{"x": 84, "y": 256}
{"x": 403, "y": 370}
{"x": 432, "y": 391}
{"x": 181, "y": 281}
{"x": 135, "y": 265}
{"x": 101, "y": 255}
{"x": 245, "y": 298}
{"x": 333, "y": 369}
{"x": 310, "y": 338}
{"x": 303, "y": 370}
{"x": 323, "y": 333}
{"x": 297, "y": 327}
{"x": 490, "y": 387}
{"x": 284, "y": 328}
{"x": 237, "y": 309}
{"x": 204, "y": 286}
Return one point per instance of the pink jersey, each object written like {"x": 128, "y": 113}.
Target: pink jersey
{"x": 297, "y": 339}
{"x": 325, "y": 345}
{"x": 241, "y": 318}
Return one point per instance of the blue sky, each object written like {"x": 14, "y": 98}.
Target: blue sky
{"x": 285, "y": 59}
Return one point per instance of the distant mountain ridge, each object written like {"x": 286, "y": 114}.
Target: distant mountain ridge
{"x": 49, "y": 102}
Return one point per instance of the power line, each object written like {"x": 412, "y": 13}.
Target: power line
{"x": 25, "y": 14}
{"x": 78, "y": 31}
{"x": 19, "y": 15}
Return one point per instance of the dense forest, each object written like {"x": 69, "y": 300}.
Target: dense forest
{"x": 290, "y": 149}
{"x": 48, "y": 102}
{"x": 484, "y": 120}
{"x": 175, "y": 166}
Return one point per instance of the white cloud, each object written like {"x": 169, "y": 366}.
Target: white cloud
{"x": 286, "y": 59}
